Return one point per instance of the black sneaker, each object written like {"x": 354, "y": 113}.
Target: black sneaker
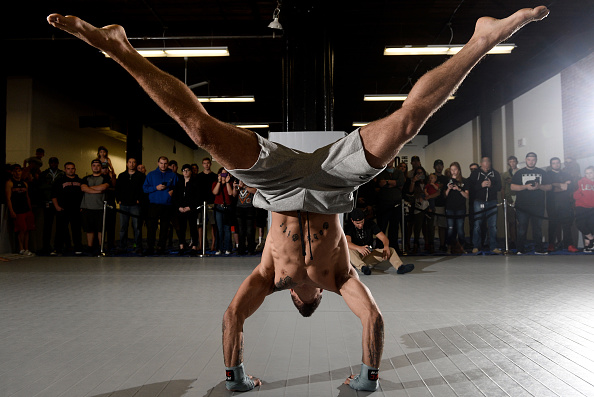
{"x": 366, "y": 270}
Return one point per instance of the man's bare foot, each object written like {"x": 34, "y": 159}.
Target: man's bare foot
{"x": 498, "y": 30}
{"x": 108, "y": 38}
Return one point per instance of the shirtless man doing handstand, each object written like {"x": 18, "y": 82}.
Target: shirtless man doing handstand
{"x": 306, "y": 250}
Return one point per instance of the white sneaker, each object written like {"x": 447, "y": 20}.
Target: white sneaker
{"x": 22, "y": 252}
{"x": 218, "y": 253}
{"x": 227, "y": 252}
{"x": 29, "y": 253}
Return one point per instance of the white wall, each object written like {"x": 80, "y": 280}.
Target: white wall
{"x": 538, "y": 119}
{"x": 18, "y": 119}
{"x": 461, "y": 145}
{"x": 155, "y": 145}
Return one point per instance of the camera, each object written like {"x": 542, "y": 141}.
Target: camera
{"x": 421, "y": 177}
{"x": 224, "y": 174}
{"x": 454, "y": 182}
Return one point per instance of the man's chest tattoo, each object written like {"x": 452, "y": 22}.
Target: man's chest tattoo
{"x": 284, "y": 283}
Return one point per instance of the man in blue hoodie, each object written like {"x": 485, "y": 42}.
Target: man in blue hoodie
{"x": 159, "y": 185}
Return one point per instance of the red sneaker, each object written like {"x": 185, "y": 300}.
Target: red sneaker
{"x": 572, "y": 248}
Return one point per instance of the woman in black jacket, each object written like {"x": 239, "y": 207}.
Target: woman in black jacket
{"x": 186, "y": 198}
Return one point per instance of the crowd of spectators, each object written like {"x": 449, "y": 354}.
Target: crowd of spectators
{"x": 166, "y": 201}
{"x": 162, "y": 200}
{"x": 444, "y": 199}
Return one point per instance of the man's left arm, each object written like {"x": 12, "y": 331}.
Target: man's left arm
{"x": 384, "y": 239}
{"x": 358, "y": 298}
{"x": 545, "y": 183}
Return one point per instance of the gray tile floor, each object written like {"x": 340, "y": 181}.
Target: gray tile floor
{"x": 466, "y": 326}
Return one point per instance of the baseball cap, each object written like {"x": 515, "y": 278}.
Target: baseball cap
{"x": 415, "y": 158}
{"x": 438, "y": 161}
{"x": 531, "y": 154}
{"x": 357, "y": 215}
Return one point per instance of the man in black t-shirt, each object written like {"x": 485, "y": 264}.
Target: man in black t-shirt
{"x": 530, "y": 183}
{"x": 559, "y": 207}
{"x": 205, "y": 180}
{"x": 66, "y": 197}
{"x": 359, "y": 234}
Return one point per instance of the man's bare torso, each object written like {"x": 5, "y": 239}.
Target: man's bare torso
{"x": 283, "y": 253}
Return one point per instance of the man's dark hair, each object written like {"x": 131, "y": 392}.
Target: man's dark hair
{"x": 172, "y": 162}
{"x": 554, "y": 158}
{"x": 306, "y": 309}
{"x": 512, "y": 158}
{"x": 194, "y": 165}
{"x": 69, "y": 163}
{"x": 473, "y": 164}
{"x": 206, "y": 158}
{"x": 15, "y": 166}
{"x": 164, "y": 158}
{"x": 131, "y": 158}
{"x": 40, "y": 150}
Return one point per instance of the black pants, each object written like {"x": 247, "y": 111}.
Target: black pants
{"x": 183, "y": 219}
{"x": 246, "y": 222}
{"x": 389, "y": 217}
{"x": 561, "y": 218}
{"x": 63, "y": 219}
{"x": 49, "y": 214}
{"x": 110, "y": 227}
{"x": 159, "y": 215}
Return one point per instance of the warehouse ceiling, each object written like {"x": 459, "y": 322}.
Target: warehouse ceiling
{"x": 359, "y": 32}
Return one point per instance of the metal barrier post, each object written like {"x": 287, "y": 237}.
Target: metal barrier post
{"x": 102, "y": 253}
{"x": 204, "y": 231}
{"x": 505, "y": 226}
{"x": 403, "y": 227}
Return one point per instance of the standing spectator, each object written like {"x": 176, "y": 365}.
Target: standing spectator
{"x": 141, "y": 168}
{"x": 510, "y": 197}
{"x": 144, "y": 203}
{"x": 246, "y": 217}
{"x": 102, "y": 155}
{"x": 261, "y": 224}
{"x": 110, "y": 215}
{"x": 223, "y": 192}
{"x": 159, "y": 185}
{"x": 174, "y": 221}
{"x": 195, "y": 169}
{"x": 416, "y": 190}
{"x": 530, "y": 183}
{"x": 408, "y": 200}
{"x": 560, "y": 207}
{"x": 584, "y": 208}
{"x": 129, "y": 195}
{"x": 205, "y": 180}
{"x": 473, "y": 167}
{"x": 19, "y": 208}
{"x": 66, "y": 197}
{"x": 367, "y": 199}
{"x": 93, "y": 187}
{"x": 456, "y": 195}
{"x": 573, "y": 169}
{"x": 390, "y": 182}
{"x": 360, "y": 239}
{"x": 37, "y": 159}
{"x": 440, "y": 219}
{"x": 46, "y": 181}
{"x": 415, "y": 162}
{"x": 485, "y": 182}
{"x": 186, "y": 199}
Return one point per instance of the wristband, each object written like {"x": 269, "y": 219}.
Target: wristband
{"x": 237, "y": 380}
{"x": 367, "y": 380}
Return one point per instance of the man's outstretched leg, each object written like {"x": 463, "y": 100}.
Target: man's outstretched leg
{"x": 384, "y": 138}
{"x": 359, "y": 299}
{"x": 233, "y": 147}
{"x": 246, "y": 301}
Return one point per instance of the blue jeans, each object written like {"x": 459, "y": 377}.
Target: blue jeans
{"x": 124, "y": 218}
{"x": 523, "y": 219}
{"x": 224, "y": 242}
{"x": 456, "y": 227}
{"x": 491, "y": 216}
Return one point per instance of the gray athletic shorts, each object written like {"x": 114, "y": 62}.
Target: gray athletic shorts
{"x": 322, "y": 182}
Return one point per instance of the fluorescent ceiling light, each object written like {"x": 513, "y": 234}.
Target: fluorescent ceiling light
{"x": 390, "y": 98}
{"x": 242, "y": 98}
{"x": 252, "y": 125}
{"x": 359, "y": 123}
{"x": 442, "y": 49}
{"x": 182, "y": 52}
